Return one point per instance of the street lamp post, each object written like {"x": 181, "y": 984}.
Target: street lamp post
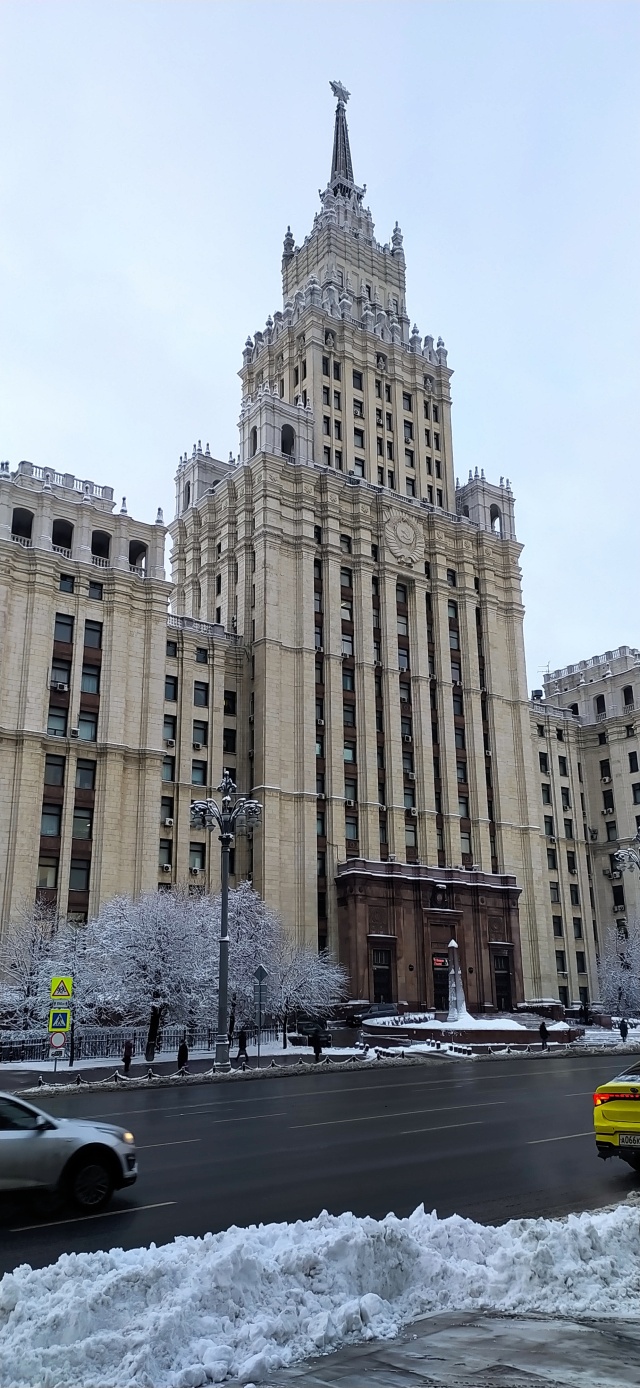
{"x": 231, "y": 817}
{"x": 628, "y": 859}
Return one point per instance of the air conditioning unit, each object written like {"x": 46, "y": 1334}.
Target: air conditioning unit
{"x": 61, "y": 688}
{"x": 319, "y": 650}
{"x": 169, "y": 742}
{"x": 616, "y": 874}
{"x": 168, "y": 823}
{"x": 320, "y": 722}
{"x": 392, "y": 857}
{"x": 74, "y": 733}
{"x": 251, "y": 718}
{"x": 618, "y": 909}
{"x": 414, "y": 813}
{"x": 411, "y": 775}
{"x": 377, "y": 664}
{"x": 606, "y": 780}
{"x": 321, "y": 795}
{"x": 407, "y": 737}
{"x": 197, "y": 746}
{"x": 165, "y": 867}
{"x": 606, "y": 872}
{"x": 194, "y": 871}
{"x": 611, "y": 811}
{"x": 550, "y": 838}
{"x": 573, "y": 872}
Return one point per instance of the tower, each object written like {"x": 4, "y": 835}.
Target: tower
{"x": 380, "y": 612}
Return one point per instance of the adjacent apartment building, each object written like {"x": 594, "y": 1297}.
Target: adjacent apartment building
{"x": 342, "y": 629}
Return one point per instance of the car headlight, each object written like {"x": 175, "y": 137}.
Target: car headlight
{"x": 128, "y": 1137}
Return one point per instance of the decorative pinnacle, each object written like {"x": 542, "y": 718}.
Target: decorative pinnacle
{"x": 340, "y": 92}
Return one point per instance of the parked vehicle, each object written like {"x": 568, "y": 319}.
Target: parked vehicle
{"x": 381, "y": 1009}
{"x": 74, "y": 1158}
{"x": 616, "y": 1117}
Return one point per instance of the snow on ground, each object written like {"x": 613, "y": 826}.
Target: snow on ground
{"x": 269, "y": 1048}
{"x": 248, "y": 1302}
{"x": 465, "y": 1022}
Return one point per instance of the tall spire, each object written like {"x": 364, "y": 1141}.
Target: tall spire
{"x": 341, "y": 166}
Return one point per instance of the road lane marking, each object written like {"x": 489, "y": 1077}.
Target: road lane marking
{"x": 565, "y": 1137}
{"x": 403, "y": 1113}
{"x": 105, "y": 1214}
{"x": 179, "y": 1142}
{"x": 443, "y": 1128}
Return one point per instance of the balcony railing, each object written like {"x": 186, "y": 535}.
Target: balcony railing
{"x": 600, "y": 717}
{"x": 137, "y": 569}
{"x": 22, "y": 540}
{"x": 99, "y": 562}
{"x": 60, "y": 549}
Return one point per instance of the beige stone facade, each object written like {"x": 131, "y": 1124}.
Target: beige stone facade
{"x": 345, "y": 634}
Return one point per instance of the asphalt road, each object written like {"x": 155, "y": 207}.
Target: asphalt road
{"x": 493, "y": 1141}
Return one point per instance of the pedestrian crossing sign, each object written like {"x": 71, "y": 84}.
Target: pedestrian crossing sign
{"x": 60, "y": 1019}
{"x": 61, "y": 987}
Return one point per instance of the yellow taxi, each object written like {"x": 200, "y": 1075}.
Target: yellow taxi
{"x": 616, "y": 1117}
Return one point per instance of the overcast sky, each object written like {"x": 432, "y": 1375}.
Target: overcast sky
{"x": 154, "y": 153}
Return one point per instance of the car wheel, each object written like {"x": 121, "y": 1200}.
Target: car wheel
{"x": 91, "y": 1183}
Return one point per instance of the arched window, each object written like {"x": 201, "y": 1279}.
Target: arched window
{"x": 62, "y": 535}
{"x": 254, "y": 442}
{"x": 137, "y": 555}
{"x": 100, "y": 545}
{"x": 22, "y": 525}
{"x": 600, "y": 705}
{"x": 627, "y": 696}
{"x": 465, "y": 511}
{"x": 287, "y": 440}
{"x": 495, "y": 516}
{"x": 186, "y": 496}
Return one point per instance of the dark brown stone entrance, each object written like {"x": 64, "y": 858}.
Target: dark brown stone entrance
{"x": 395, "y": 921}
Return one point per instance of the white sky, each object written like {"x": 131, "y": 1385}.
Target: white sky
{"x": 154, "y": 154}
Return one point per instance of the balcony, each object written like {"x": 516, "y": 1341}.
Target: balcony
{"x": 22, "y": 540}
{"x": 60, "y": 549}
{"x": 100, "y": 563}
{"x": 600, "y": 717}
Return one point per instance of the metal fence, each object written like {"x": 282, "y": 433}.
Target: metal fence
{"x": 100, "y": 1043}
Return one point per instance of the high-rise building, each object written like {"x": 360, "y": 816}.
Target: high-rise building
{"x": 345, "y": 635}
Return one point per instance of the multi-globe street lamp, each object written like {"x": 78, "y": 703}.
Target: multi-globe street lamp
{"x": 628, "y": 859}
{"x": 233, "y": 815}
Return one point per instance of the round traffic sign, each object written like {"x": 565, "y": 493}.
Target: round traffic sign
{"x": 57, "y": 1040}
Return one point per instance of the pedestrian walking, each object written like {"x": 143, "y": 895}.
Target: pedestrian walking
{"x": 127, "y": 1056}
{"x": 316, "y": 1043}
{"x": 183, "y": 1054}
{"x": 242, "y": 1044}
{"x": 544, "y": 1035}
{"x": 624, "y": 1029}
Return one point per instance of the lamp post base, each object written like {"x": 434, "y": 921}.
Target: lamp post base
{"x": 222, "y": 1053}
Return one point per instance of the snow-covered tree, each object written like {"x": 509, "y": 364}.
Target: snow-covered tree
{"x": 619, "y": 970}
{"x": 25, "y": 966}
{"x": 301, "y": 980}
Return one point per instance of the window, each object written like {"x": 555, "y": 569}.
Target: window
{"x": 403, "y": 626}
{"x": 85, "y": 774}
{"x": 602, "y": 737}
{"x": 562, "y": 767}
{"x": 581, "y": 964}
{"x": 612, "y": 830}
{"x": 96, "y": 591}
{"x": 320, "y": 824}
{"x": 66, "y": 584}
{"x": 196, "y": 856}
{"x": 605, "y": 767}
{"x": 60, "y": 671}
{"x": 577, "y": 927}
{"x": 54, "y": 771}
{"x": 459, "y": 739}
{"x": 347, "y": 645}
{"x": 87, "y": 726}
{"x": 90, "y": 683}
{"x": 167, "y": 768}
{"x": 349, "y": 753}
{"x": 629, "y": 730}
{"x": 574, "y": 895}
{"x": 346, "y": 611}
{"x": 198, "y": 773}
{"x": 566, "y": 799}
{"x": 337, "y": 430}
{"x": 319, "y": 745}
{"x": 409, "y": 798}
{"x": 172, "y": 649}
{"x": 336, "y": 371}
{"x": 82, "y": 823}
{"x": 358, "y": 438}
{"x": 403, "y": 659}
{"x": 548, "y": 825}
{"x": 636, "y": 794}
{"x": 350, "y": 788}
{"x": 546, "y": 793}
{"x": 557, "y": 927}
{"x": 79, "y": 875}
{"x": 618, "y": 896}
{"x": 326, "y": 396}
{"x": 387, "y": 392}
{"x": 405, "y": 692}
{"x": 561, "y": 961}
{"x": 627, "y": 696}
{"x": 410, "y": 836}
{"x": 633, "y": 761}
{"x": 337, "y": 400}
{"x": 544, "y": 763}
{"x": 436, "y": 441}
{"x": 325, "y": 367}
{"x": 47, "y": 873}
{"x": 454, "y": 640}
{"x": 230, "y": 703}
{"x": 357, "y": 380}
{"x": 348, "y": 679}
{"x": 200, "y": 731}
{"x": 463, "y": 806}
{"x": 50, "y": 821}
{"x": 568, "y": 830}
{"x": 350, "y": 827}
{"x": 439, "y": 497}
{"x": 410, "y": 486}
{"x": 165, "y": 852}
{"x": 57, "y": 722}
{"x": 552, "y": 861}
{"x": 607, "y": 799}
{"x": 461, "y": 772}
{"x": 407, "y": 402}
{"x": 200, "y": 694}
{"x": 345, "y": 544}
{"x": 322, "y": 864}
{"x": 201, "y": 655}
{"x": 93, "y": 634}
{"x": 326, "y": 424}
{"x": 560, "y": 737}
{"x": 349, "y": 715}
{"x": 171, "y": 688}
{"x": 63, "y": 629}
{"x": 169, "y": 728}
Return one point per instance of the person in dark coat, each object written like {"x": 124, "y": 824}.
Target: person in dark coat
{"x": 183, "y": 1053}
{"x": 316, "y": 1043}
{"x": 544, "y": 1035}
{"x": 624, "y": 1029}
{"x": 242, "y": 1044}
{"x": 127, "y": 1056}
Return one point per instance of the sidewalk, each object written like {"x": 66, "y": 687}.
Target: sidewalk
{"x": 482, "y": 1350}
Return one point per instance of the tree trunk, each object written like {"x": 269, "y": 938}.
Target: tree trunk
{"x": 152, "y": 1034}
{"x": 284, "y": 1031}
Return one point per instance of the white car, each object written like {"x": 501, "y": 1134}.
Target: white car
{"x": 75, "y": 1158}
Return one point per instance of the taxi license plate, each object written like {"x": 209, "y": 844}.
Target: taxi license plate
{"x": 629, "y": 1139}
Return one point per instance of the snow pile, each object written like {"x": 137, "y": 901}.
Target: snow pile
{"x": 465, "y": 1022}
{"x": 248, "y": 1302}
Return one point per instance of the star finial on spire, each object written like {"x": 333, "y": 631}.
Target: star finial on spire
{"x": 340, "y": 92}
